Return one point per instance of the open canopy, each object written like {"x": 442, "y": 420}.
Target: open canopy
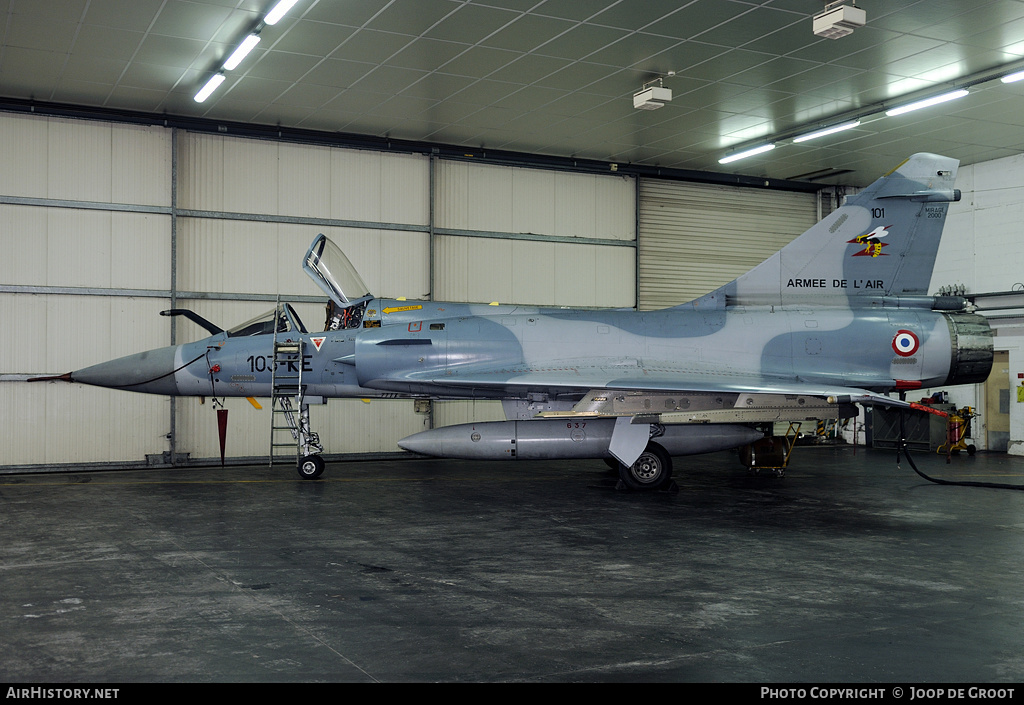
{"x": 328, "y": 266}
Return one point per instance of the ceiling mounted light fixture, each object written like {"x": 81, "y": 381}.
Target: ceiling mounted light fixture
{"x": 242, "y": 51}
{"x": 736, "y": 156}
{"x": 210, "y": 87}
{"x": 827, "y": 131}
{"x": 273, "y": 17}
{"x": 279, "y": 10}
{"x": 927, "y": 102}
{"x": 1012, "y": 77}
{"x": 838, "y": 19}
{"x": 652, "y": 98}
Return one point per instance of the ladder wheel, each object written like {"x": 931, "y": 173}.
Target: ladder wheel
{"x": 311, "y": 467}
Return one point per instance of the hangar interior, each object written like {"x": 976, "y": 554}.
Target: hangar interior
{"x": 477, "y": 151}
{"x": 465, "y": 151}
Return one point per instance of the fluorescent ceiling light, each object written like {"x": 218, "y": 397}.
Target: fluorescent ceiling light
{"x": 746, "y": 153}
{"x": 242, "y": 51}
{"x": 1010, "y": 78}
{"x": 279, "y": 11}
{"x": 827, "y": 131}
{"x": 934, "y": 100}
{"x": 210, "y": 87}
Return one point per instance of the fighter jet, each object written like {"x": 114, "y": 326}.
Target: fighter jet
{"x": 809, "y": 333}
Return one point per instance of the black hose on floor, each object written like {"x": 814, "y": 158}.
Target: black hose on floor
{"x": 901, "y": 446}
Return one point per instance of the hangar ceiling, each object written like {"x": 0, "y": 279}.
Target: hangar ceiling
{"x": 552, "y": 77}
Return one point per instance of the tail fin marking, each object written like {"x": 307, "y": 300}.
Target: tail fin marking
{"x": 882, "y": 242}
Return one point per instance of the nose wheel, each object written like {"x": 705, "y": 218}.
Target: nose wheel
{"x": 311, "y": 467}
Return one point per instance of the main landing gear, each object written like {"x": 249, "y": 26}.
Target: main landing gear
{"x": 651, "y": 471}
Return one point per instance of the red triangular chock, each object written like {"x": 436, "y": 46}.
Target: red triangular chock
{"x": 222, "y": 429}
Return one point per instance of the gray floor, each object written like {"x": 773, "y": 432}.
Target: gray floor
{"x": 847, "y": 569}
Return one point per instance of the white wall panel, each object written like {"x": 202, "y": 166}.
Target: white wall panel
{"x": 534, "y": 194}
{"x": 449, "y": 413}
{"x": 24, "y": 151}
{"x": 519, "y": 200}
{"x": 56, "y": 422}
{"x": 140, "y": 244}
{"x": 227, "y": 174}
{"x": 236, "y": 256}
{"x": 78, "y": 160}
{"x": 235, "y": 175}
{"x": 393, "y": 263}
{"x": 141, "y": 165}
{"x": 600, "y": 276}
{"x": 200, "y": 171}
{"x": 533, "y": 272}
{"x": 250, "y": 177}
{"x": 55, "y": 244}
{"x": 84, "y": 160}
{"x": 24, "y": 242}
{"x": 304, "y": 180}
{"x": 378, "y": 187}
{"x": 473, "y": 197}
{"x": 86, "y": 248}
{"x": 473, "y": 269}
{"x": 589, "y": 205}
{"x": 69, "y": 424}
{"x": 100, "y": 328}
{"x": 231, "y": 256}
{"x": 980, "y": 245}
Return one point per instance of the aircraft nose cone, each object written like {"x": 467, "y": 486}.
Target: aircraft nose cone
{"x": 151, "y": 371}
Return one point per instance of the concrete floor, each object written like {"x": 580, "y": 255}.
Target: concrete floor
{"x": 847, "y": 569}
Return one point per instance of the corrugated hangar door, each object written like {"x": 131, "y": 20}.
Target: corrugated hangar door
{"x": 693, "y": 238}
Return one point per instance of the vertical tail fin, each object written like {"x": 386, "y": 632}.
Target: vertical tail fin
{"x": 882, "y": 242}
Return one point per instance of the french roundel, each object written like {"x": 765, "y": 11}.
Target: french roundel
{"x": 905, "y": 343}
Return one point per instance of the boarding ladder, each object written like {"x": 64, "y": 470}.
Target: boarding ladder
{"x": 289, "y": 412}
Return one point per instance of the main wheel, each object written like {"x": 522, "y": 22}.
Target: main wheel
{"x": 311, "y": 467}
{"x": 651, "y": 471}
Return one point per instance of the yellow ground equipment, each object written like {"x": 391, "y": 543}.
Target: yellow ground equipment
{"x": 958, "y": 428}
{"x": 771, "y": 453}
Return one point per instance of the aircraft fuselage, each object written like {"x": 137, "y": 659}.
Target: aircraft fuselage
{"x": 563, "y": 353}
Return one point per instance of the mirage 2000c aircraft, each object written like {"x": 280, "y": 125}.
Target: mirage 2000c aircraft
{"x": 839, "y": 316}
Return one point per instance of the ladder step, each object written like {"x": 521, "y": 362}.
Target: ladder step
{"x": 286, "y": 399}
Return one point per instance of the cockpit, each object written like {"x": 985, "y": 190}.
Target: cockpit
{"x": 282, "y": 319}
{"x": 328, "y": 266}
